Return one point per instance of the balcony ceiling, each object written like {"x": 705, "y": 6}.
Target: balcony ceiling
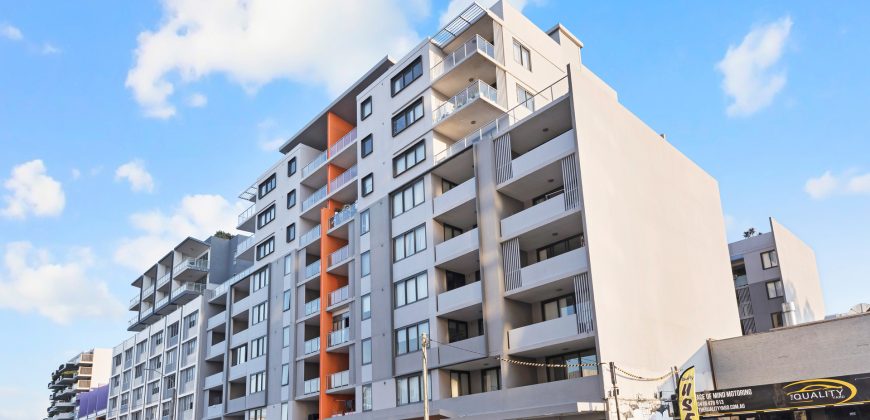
{"x": 529, "y": 133}
{"x": 536, "y": 183}
{"x": 192, "y": 247}
{"x": 562, "y": 228}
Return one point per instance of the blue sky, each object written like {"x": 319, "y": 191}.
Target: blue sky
{"x": 101, "y": 167}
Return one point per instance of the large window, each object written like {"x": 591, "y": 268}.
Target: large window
{"x": 409, "y": 158}
{"x": 522, "y": 55}
{"x": 774, "y": 289}
{"x": 408, "y": 116}
{"x": 365, "y": 108}
{"x": 257, "y": 414}
{"x": 266, "y": 216}
{"x": 573, "y": 370}
{"x": 365, "y": 264}
{"x": 409, "y": 389}
{"x": 558, "y": 307}
{"x": 367, "y": 145}
{"x": 409, "y": 243}
{"x": 408, "y": 338}
{"x": 460, "y": 384}
{"x": 267, "y": 186}
{"x": 285, "y": 336}
{"x": 409, "y": 197}
{"x": 258, "y": 347}
{"x": 366, "y": 306}
{"x": 291, "y": 167}
{"x": 259, "y": 313}
{"x": 187, "y": 348}
{"x": 368, "y": 184}
{"x": 490, "y": 379}
{"x": 412, "y": 289}
{"x": 410, "y": 73}
{"x": 456, "y": 330}
{"x": 239, "y": 355}
{"x": 291, "y": 199}
{"x": 367, "y": 397}
{"x": 559, "y": 248}
{"x": 265, "y": 248}
{"x": 364, "y": 222}
{"x": 257, "y": 382}
{"x": 769, "y": 259}
{"x": 366, "y": 351}
{"x": 260, "y": 279}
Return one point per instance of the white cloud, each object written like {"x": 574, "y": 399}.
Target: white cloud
{"x": 750, "y": 76}
{"x": 330, "y": 42}
{"x": 197, "y": 100}
{"x": 196, "y": 215}
{"x": 49, "y": 49}
{"x": 32, "y": 191}
{"x": 455, "y": 7}
{"x": 76, "y": 174}
{"x": 828, "y": 184}
{"x": 32, "y": 281}
{"x": 270, "y": 137}
{"x": 10, "y": 32}
{"x": 135, "y": 173}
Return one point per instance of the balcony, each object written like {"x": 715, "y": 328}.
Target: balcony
{"x": 459, "y": 253}
{"x": 217, "y": 320}
{"x": 548, "y": 275}
{"x": 542, "y": 338}
{"x": 190, "y": 269}
{"x": 343, "y": 187}
{"x": 246, "y": 219}
{"x": 463, "y": 194}
{"x": 462, "y": 351}
{"x": 340, "y": 256}
{"x": 460, "y": 303}
{"x": 536, "y": 216}
{"x": 314, "y": 198}
{"x": 162, "y": 306}
{"x": 346, "y": 214}
{"x": 245, "y": 248}
{"x": 309, "y": 237}
{"x": 315, "y": 163}
{"x": 339, "y": 337}
{"x": 311, "y": 386}
{"x": 475, "y": 59}
{"x": 214, "y": 411}
{"x": 187, "y": 292}
{"x": 214, "y": 380}
{"x": 312, "y": 270}
{"x": 311, "y": 346}
{"x": 163, "y": 281}
{"x": 342, "y": 143}
{"x": 477, "y": 102}
{"x": 134, "y": 303}
{"x": 339, "y": 379}
{"x": 312, "y": 307}
{"x": 341, "y": 295}
{"x": 536, "y": 165}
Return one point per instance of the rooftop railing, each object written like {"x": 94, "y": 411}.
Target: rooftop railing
{"x": 477, "y": 44}
{"x": 475, "y": 90}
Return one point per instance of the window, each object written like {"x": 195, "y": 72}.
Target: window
{"x": 408, "y": 75}
{"x": 366, "y": 305}
{"x": 258, "y": 347}
{"x": 769, "y": 259}
{"x": 291, "y": 199}
{"x": 365, "y": 108}
{"x": 409, "y": 197}
{"x": 776, "y": 320}
{"x": 291, "y": 232}
{"x": 265, "y": 248}
{"x": 412, "y": 289}
{"x": 257, "y": 382}
{"x": 408, "y": 338}
{"x": 364, "y": 222}
{"x": 491, "y": 379}
{"x": 190, "y": 320}
{"x": 570, "y": 372}
{"x": 287, "y": 300}
{"x": 285, "y": 374}
{"x": 525, "y": 98}
{"x": 774, "y": 289}
{"x": 559, "y": 248}
{"x": 286, "y": 336}
{"x": 522, "y": 55}
{"x": 171, "y": 356}
{"x": 189, "y": 347}
{"x": 460, "y": 384}
{"x": 291, "y": 167}
{"x": 267, "y": 186}
{"x": 258, "y": 414}
{"x": 456, "y": 330}
{"x": 157, "y": 339}
{"x": 451, "y": 232}
{"x": 266, "y": 216}
{"x": 239, "y": 355}
{"x": 367, "y": 145}
{"x": 259, "y": 313}
{"x": 558, "y": 307}
{"x": 544, "y": 197}
{"x": 172, "y": 332}
{"x": 288, "y": 264}
{"x": 368, "y": 184}
{"x": 367, "y": 397}
{"x": 187, "y": 375}
{"x": 409, "y": 389}
{"x": 285, "y": 411}
{"x": 260, "y": 279}
{"x": 454, "y": 280}
{"x": 366, "y": 351}
{"x": 365, "y": 264}
{"x": 409, "y": 243}
{"x": 117, "y": 360}
{"x": 408, "y": 116}
{"x": 409, "y": 158}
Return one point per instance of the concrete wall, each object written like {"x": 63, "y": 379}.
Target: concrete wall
{"x": 800, "y": 276}
{"x": 102, "y": 367}
{"x": 820, "y": 349}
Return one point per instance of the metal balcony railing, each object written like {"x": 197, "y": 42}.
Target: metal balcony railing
{"x": 339, "y": 255}
{"x": 312, "y": 386}
{"x": 194, "y": 263}
{"x": 312, "y": 269}
{"x": 312, "y": 307}
{"x": 341, "y": 217}
{"x": 476, "y": 44}
{"x": 189, "y": 287}
{"x": 343, "y": 179}
{"x": 339, "y": 337}
{"x": 246, "y": 244}
{"x": 339, "y": 379}
{"x": 247, "y": 214}
{"x": 163, "y": 280}
{"x": 163, "y": 301}
{"x": 135, "y": 300}
{"x": 314, "y": 164}
{"x": 312, "y": 345}
{"x": 310, "y": 236}
{"x": 340, "y": 295}
{"x": 315, "y": 198}
{"x": 474, "y": 91}
{"x": 343, "y": 142}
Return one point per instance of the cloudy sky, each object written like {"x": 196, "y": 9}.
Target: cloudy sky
{"x": 124, "y": 127}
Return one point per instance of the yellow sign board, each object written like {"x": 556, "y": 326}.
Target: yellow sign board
{"x": 686, "y": 399}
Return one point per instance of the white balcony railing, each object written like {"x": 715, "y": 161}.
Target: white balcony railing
{"x": 501, "y": 123}
{"x": 312, "y": 307}
{"x": 341, "y": 217}
{"x": 474, "y": 45}
{"x": 194, "y": 263}
{"x": 163, "y": 280}
{"x": 339, "y": 295}
{"x": 312, "y": 269}
{"x": 339, "y": 379}
{"x": 312, "y": 345}
{"x": 343, "y": 179}
{"x": 135, "y": 300}
{"x": 343, "y": 142}
{"x": 246, "y": 244}
{"x": 474, "y": 91}
{"x": 310, "y": 236}
{"x": 162, "y": 302}
{"x": 312, "y": 386}
{"x": 314, "y": 164}
{"x": 225, "y": 286}
{"x": 339, "y": 337}
{"x": 247, "y": 214}
{"x": 189, "y": 287}
{"x": 314, "y": 198}
{"x": 339, "y": 255}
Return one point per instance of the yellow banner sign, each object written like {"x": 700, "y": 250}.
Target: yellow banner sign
{"x": 686, "y": 399}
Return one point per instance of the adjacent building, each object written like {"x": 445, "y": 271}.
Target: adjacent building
{"x": 776, "y": 280}
{"x": 92, "y": 405}
{"x": 82, "y": 373}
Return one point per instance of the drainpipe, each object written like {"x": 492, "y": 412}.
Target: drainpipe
{"x": 789, "y": 315}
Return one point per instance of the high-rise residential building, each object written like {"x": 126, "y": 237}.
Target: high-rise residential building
{"x": 487, "y": 190}
{"x": 84, "y": 372}
{"x": 156, "y": 374}
{"x": 776, "y": 280}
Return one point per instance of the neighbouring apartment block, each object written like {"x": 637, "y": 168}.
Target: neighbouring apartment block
{"x": 84, "y": 372}
{"x": 776, "y": 280}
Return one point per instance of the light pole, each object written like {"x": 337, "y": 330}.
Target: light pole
{"x": 424, "y": 345}
{"x": 174, "y": 391}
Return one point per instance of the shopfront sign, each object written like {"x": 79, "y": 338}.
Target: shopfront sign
{"x": 803, "y": 394}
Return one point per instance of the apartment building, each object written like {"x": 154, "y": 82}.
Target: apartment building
{"x": 489, "y": 190}
{"x": 82, "y": 373}
{"x": 776, "y": 280}
{"x": 157, "y": 373}
{"x": 92, "y": 405}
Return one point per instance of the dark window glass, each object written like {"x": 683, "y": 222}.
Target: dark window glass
{"x": 409, "y": 158}
{"x": 407, "y": 116}
{"x": 291, "y": 232}
{"x": 367, "y": 146}
{"x": 291, "y": 167}
{"x": 408, "y": 74}
{"x": 291, "y": 199}
{"x": 368, "y": 184}
{"x": 267, "y": 186}
{"x": 365, "y": 108}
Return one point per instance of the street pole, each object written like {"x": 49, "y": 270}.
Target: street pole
{"x": 424, "y": 345}
{"x": 614, "y": 389}
{"x": 162, "y": 384}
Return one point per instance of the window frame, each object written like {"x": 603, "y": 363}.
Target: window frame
{"x": 362, "y": 108}
{"x": 404, "y": 332}
{"x": 370, "y": 179}
{"x": 773, "y": 262}
{"x": 291, "y": 232}
{"x": 370, "y": 140}
{"x": 263, "y": 215}
{"x": 287, "y": 300}
{"x": 529, "y": 99}
{"x": 362, "y": 346}
{"x": 410, "y": 110}
{"x": 269, "y": 185}
{"x": 291, "y": 166}
{"x": 261, "y": 245}
{"x": 365, "y": 314}
{"x": 774, "y": 316}
{"x": 291, "y": 196}
{"x": 411, "y": 69}
{"x": 524, "y": 60}
{"x": 401, "y": 195}
{"x": 403, "y": 157}
{"x": 778, "y": 291}
{"x": 402, "y": 237}
{"x": 403, "y": 284}
{"x": 365, "y": 222}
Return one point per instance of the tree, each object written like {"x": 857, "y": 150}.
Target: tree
{"x": 749, "y": 233}
{"x": 223, "y": 235}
